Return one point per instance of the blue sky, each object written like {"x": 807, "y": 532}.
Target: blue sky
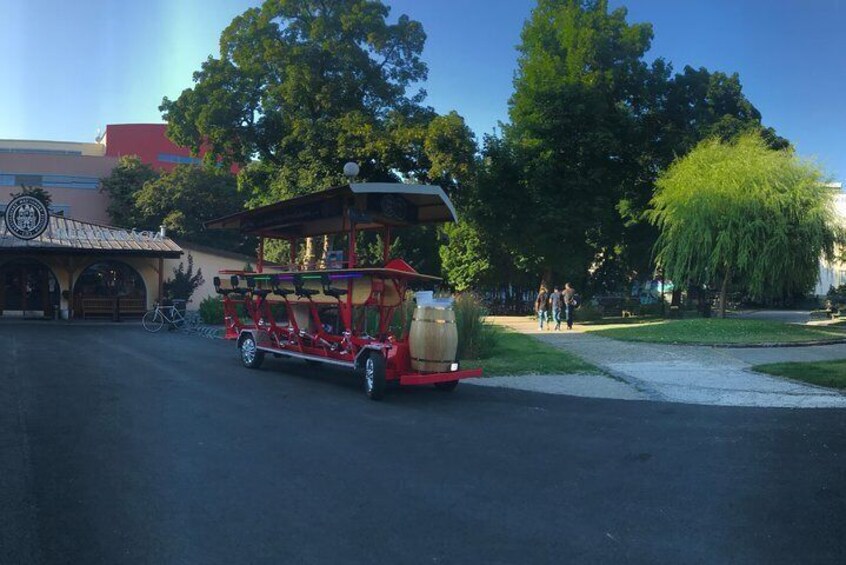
{"x": 69, "y": 68}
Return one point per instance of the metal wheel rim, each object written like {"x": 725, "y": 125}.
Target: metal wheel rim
{"x": 369, "y": 370}
{"x": 248, "y": 351}
{"x": 154, "y": 323}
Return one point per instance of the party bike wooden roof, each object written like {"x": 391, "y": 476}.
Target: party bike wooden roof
{"x": 358, "y": 206}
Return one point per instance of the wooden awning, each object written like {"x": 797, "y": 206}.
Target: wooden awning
{"x": 67, "y": 236}
{"x": 368, "y": 205}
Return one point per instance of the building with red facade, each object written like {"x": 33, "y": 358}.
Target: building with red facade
{"x": 150, "y": 143}
{"x": 147, "y": 141}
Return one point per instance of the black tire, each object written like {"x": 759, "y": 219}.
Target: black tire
{"x": 152, "y": 321}
{"x": 374, "y": 376}
{"x": 446, "y": 386}
{"x": 251, "y": 357}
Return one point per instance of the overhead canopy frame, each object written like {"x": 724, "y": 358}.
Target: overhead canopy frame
{"x": 358, "y": 206}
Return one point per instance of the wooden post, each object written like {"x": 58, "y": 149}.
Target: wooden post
{"x": 2, "y": 289}
{"x": 352, "y": 246}
{"x": 260, "y": 262}
{"x": 69, "y": 268}
{"x": 45, "y": 293}
{"x": 161, "y": 279}
{"x": 387, "y": 244}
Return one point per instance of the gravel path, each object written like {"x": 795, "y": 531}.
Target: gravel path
{"x": 589, "y": 386}
{"x": 697, "y": 375}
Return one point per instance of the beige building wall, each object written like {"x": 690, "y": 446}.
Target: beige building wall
{"x": 67, "y": 270}
{"x": 211, "y": 261}
{"x": 86, "y": 204}
{"x": 27, "y": 145}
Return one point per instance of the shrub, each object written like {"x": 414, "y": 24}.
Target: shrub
{"x": 652, "y": 310}
{"x": 837, "y": 296}
{"x": 587, "y": 313}
{"x": 474, "y": 336}
{"x": 211, "y": 311}
{"x": 184, "y": 281}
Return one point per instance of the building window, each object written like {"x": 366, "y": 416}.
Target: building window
{"x": 28, "y": 288}
{"x": 109, "y": 286}
{"x": 109, "y": 279}
{"x": 50, "y": 181}
{"x": 29, "y": 180}
{"x": 40, "y": 151}
{"x": 179, "y": 159}
{"x": 69, "y": 181}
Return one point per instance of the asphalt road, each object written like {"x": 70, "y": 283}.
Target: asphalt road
{"x": 117, "y": 446}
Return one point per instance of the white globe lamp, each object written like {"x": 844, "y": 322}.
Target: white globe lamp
{"x": 351, "y": 170}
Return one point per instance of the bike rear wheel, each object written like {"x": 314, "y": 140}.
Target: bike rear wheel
{"x": 153, "y": 321}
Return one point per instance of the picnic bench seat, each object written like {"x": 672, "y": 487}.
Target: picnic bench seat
{"x": 95, "y": 307}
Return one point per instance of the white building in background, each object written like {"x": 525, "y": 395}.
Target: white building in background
{"x": 833, "y": 274}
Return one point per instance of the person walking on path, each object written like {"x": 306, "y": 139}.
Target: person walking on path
{"x": 541, "y": 306}
{"x": 555, "y": 305}
{"x": 569, "y": 299}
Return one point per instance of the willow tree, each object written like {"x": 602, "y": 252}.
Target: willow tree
{"x": 743, "y": 211}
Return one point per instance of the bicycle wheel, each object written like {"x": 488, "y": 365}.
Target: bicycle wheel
{"x": 182, "y": 322}
{"x": 153, "y": 321}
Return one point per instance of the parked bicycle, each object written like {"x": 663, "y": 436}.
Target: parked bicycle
{"x": 173, "y": 315}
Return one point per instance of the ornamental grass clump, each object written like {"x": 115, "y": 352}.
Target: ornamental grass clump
{"x": 211, "y": 310}
{"x": 474, "y": 335}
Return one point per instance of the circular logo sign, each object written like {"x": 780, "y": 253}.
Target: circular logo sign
{"x": 26, "y": 217}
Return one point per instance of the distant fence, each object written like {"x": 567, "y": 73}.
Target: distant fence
{"x": 508, "y": 300}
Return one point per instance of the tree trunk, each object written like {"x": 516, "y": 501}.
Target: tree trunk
{"x": 546, "y": 280}
{"x": 724, "y": 292}
{"x": 309, "y": 253}
{"x": 325, "y": 251}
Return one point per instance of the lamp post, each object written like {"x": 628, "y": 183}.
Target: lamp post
{"x": 351, "y": 171}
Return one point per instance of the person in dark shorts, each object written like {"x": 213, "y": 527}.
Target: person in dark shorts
{"x": 555, "y": 307}
{"x": 569, "y": 299}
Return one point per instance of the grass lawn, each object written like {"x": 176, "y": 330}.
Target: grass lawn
{"x": 716, "y": 331}
{"x": 513, "y": 353}
{"x": 824, "y": 373}
{"x": 618, "y": 321}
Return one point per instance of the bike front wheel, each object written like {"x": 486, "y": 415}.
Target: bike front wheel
{"x": 153, "y": 321}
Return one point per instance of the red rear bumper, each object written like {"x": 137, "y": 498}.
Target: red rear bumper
{"x": 431, "y": 378}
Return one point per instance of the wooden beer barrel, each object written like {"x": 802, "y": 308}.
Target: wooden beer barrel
{"x": 433, "y": 339}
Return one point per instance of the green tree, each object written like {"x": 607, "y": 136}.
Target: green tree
{"x": 465, "y": 260}
{"x": 580, "y": 87}
{"x": 742, "y": 211}
{"x": 185, "y": 198}
{"x": 679, "y": 111}
{"x": 122, "y": 185}
{"x": 300, "y": 87}
{"x": 37, "y": 192}
{"x": 298, "y": 79}
{"x": 591, "y": 125}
